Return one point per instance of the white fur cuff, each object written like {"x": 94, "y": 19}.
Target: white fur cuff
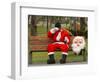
{"x": 65, "y": 53}
{"x": 50, "y": 53}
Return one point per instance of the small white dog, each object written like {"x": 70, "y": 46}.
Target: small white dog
{"x": 78, "y": 44}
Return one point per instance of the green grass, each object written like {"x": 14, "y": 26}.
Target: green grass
{"x": 41, "y": 57}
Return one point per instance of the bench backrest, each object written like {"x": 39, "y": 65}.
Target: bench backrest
{"x": 39, "y": 43}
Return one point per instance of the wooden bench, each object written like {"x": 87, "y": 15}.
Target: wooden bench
{"x": 39, "y": 44}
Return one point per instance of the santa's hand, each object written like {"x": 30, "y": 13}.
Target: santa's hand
{"x": 53, "y": 30}
{"x": 66, "y": 40}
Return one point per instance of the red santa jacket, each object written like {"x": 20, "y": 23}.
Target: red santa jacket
{"x": 59, "y": 35}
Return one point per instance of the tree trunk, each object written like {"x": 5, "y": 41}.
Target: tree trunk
{"x": 83, "y": 26}
{"x": 33, "y": 26}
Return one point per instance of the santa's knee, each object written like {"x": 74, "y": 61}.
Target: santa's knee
{"x": 51, "y": 48}
{"x": 64, "y": 48}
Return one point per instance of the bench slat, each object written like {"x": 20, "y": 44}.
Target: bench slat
{"x": 39, "y": 42}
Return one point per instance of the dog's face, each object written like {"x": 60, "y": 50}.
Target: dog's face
{"x": 78, "y": 43}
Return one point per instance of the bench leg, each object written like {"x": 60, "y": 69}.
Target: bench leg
{"x": 30, "y": 58}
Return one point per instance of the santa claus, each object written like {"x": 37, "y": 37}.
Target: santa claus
{"x": 61, "y": 40}
{"x": 78, "y": 44}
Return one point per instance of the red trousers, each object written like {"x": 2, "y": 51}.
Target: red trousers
{"x": 63, "y": 47}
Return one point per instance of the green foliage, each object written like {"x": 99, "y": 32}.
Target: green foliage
{"x": 41, "y": 57}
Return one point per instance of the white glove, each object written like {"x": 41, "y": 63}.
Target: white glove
{"x": 53, "y": 30}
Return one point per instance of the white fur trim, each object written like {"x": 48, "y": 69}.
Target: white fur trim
{"x": 66, "y": 39}
{"x": 65, "y": 53}
{"x": 53, "y": 30}
{"x": 58, "y": 36}
{"x": 50, "y": 53}
{"x": 58, "y": 43}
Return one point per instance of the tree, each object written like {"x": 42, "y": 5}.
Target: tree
{"x": 83, "y": 25}
{"x": 33, "y": 25}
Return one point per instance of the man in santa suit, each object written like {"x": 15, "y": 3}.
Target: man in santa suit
{"x": 61, "y": 40}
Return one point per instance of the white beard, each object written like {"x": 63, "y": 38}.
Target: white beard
{"x": 76, "y": 49}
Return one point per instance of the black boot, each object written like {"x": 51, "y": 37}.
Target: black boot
{"x": 63, "y": 60}
{"x": 51, "y": 59}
